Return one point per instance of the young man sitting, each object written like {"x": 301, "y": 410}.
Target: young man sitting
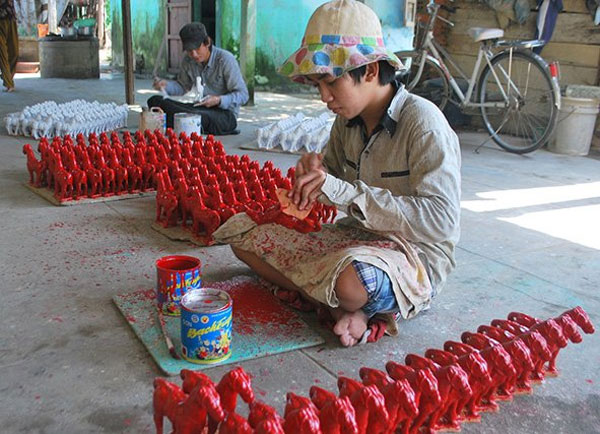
{"x": 392, "y": 164}
{"x": 224, "y": 88}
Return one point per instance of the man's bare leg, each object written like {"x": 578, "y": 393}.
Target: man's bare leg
{"x": 268, "y": 272}
{"x": 351, "y": 321}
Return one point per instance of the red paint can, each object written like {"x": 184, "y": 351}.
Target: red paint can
{"x": 175, "y": 276}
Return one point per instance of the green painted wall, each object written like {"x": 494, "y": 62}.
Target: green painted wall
{"x": 280, "y": 27}
{"x": 147, "y": 28}
{"x": 391, "y": 13}
{"x": 281, "y": 24}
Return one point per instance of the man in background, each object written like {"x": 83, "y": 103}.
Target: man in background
{"x": 223, "y": 86}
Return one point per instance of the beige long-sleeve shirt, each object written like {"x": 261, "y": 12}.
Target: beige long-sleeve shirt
{"x": 403, "y": 181}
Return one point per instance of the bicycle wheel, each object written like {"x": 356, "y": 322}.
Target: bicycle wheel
{"x": 524, "y": 120}
{"x": 430, "y": 84}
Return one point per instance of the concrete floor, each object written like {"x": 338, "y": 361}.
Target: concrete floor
{"x": 69, "y": 362}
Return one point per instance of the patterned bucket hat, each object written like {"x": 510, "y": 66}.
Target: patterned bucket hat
{"x": 340, "y": 36}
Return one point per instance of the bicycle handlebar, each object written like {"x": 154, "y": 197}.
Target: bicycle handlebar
{"x": 450, "y": 9}
{"x": 433, "y": 9}
{"x": 450, "y": 23}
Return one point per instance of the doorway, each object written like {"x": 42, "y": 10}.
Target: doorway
{"x": 205, "y": 12}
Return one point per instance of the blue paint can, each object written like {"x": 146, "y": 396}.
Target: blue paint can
{"x": 206, "y": 323}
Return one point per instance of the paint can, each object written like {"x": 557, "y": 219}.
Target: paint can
{"x": 175, "y": 276}
{"x": 153, "y": 119}
{"x": 187, "y": 123}
{"x": 206, "y": 323}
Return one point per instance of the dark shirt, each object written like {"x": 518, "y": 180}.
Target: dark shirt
{"x": 7, "y": 10}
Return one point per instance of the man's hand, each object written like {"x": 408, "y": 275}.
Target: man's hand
{"x": 159, "y": 84}
{"x": 209, "y": 101}
{"x": 308, "y": 162}
{"x": 310, "y": 177}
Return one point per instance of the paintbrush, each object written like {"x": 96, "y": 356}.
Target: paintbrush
{"x": 168, "y": 341}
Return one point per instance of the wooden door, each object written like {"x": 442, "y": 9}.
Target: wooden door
{"x": 179, "y": 13}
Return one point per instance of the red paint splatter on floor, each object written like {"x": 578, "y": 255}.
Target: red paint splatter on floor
{"x": 589, "y": 381}
{"x": 37, "y": 397}
{"x": 260, "y": 308}
{"x": 58, "y": 319}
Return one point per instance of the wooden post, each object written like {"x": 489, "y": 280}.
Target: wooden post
{"x": 248, "y": 45}
{"x": 128, "y": 52}
{"x": 52, "y": 17}
{"x": 100, "y": 22}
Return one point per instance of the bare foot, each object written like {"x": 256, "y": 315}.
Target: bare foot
{"x": 350, "y": 326}
{"x": 9, "y": 89}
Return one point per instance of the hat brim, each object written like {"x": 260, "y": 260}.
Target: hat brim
{"x": 334, "y": 59}
{"x": 191, "y": 45}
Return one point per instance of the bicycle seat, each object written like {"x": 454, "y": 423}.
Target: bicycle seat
{"x": 482, "y": 34}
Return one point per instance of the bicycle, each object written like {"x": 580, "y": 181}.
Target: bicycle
{"x": 517, "y": 92}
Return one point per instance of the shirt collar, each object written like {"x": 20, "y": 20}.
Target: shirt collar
{"x": 386, "y": 122}
{"x": 211, "y": 58}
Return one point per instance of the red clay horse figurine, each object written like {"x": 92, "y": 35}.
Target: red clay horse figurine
{"x": 368, "y": 403}
{"x": 337, "y": 416}
{"x": 400, "y": 398}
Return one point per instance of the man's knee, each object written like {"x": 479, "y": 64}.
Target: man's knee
{"x": 237, "y": 252}
{"x": 154, "y": 101}
{"x": 350, "y": 290}
{"x": 242, "y": 255}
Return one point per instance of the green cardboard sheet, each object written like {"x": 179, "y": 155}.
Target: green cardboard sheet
{"x": 262, "y": 325}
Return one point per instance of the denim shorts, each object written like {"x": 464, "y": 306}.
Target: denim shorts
{"x": 380, "y": 295}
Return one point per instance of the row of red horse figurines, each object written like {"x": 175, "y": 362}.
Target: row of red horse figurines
{"x": 212, "y": 199}
{"x": 435, "y": 392}
{"x": 106, "y": 168}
